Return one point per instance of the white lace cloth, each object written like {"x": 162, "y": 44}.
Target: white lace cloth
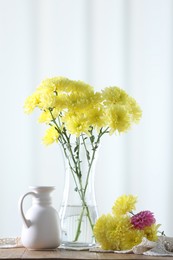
{"x": 10, "y": 242}
{"x": 163, "y": 247}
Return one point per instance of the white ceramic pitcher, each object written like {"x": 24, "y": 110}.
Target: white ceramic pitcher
{"x": 41, "y": 228}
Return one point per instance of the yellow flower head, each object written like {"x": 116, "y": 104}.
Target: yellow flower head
{"x": 55, "y": 84}
{"x": 76, "y": 123}
{"x": 31, "y": 103}
{"x": 78, "y": 101}
{"x": 47, "y": 98}
{"x": 46, "y": 115}
{"x": 122, "y": 110}
{"x": 151, "y": 232}
{"x": 61, "y": 102}
{"x": 118, "y": 118}
{"x": 100, "y": 230}
{"x": 79, "y": 87}
{"x": 124, "y": 204}
{"x": 132, "y": 238}
{"x": 135, "y": 110}
{"x": 50, "y": 136}
{"x": 96, "y": 117}
{"x": 116, "y": 233}
{"x": 114, "y": 96}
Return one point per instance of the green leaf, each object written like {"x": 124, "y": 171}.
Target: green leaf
{"x": 92, "y": 138}
{"x": 88, "y": 155}
{"x": 76, "y": 148}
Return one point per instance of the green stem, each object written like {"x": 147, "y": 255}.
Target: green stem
{"x": 72, "y": 170}
{"x": 83, "y": 191}
{"x": 93, "y": 155}
{"x": 78, "y": 231}
{"x": 77, "y": 156}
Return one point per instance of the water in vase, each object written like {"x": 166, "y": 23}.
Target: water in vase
{"x": 73, "y": 221}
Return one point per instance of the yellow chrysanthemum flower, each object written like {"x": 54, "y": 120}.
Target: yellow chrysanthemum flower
{"x": 114, "y": 96}
{"x": 79, "y": 87}
{"x": 47, "y": 98}
{"x": 135, "y": 110}
{"x": 55, "y": 84}
{"x": 61, "y": 101}
{"x": 100, "y": 229}
{"x": 116, "y": 233}
{"x": 124, "y": 204}
{"x": 79, "y": 101}
{"x": 118, "y": 118}
{"x": 132, "y": 238}
{"x": 50, "y": 136}
{"x": 96, "y": 117}
{"x": 151, "y": 232}
{"x": 65, "y": 85}
{"x": 76, "y": 123}
{"x": 31, "y": 103}
{"x": 46, "y": 116}
{"x": 122, "y": 110}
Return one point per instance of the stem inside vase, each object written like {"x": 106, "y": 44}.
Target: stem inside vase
{"x": 80, "y": 158}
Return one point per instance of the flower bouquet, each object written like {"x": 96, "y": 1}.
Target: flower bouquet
{"x": 122, "y": 230}
{"x": 77, "y": 118}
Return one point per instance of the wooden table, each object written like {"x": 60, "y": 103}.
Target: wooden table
{"x": 22, "y": 253}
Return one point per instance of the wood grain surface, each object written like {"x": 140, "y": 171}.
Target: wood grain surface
{"x": 22, "y": 253}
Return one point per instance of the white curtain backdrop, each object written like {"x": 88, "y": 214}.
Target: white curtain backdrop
{"x": 127, "y": 43}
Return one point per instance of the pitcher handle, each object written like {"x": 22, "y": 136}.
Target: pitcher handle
{"x": 27, "y": 222}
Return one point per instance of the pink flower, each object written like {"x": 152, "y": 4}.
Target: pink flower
{"x": 143, "y": 219}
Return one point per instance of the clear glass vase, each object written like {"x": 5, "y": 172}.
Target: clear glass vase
{"x": 78, "y": 212}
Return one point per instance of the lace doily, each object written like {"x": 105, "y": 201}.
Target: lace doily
{"x": 163, "y": 247}
{"x": 10, "y": 242}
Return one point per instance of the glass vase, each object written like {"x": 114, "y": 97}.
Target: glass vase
{"x": 78, "y": 212}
